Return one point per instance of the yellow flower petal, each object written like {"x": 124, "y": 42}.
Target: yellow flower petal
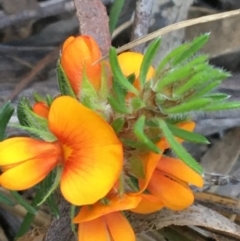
{"x": 93, "y": 153}
{"x": 116, "y": 203}
{"x": 23, "y": 169}
{"x": 180, "y": 170}
{"x": 20, "y": 149}
{"x": 174, "y": 195}
{"x": 94, "y": 230}
{"x": 130, "y": 63}
{"x": 119, "y": 227}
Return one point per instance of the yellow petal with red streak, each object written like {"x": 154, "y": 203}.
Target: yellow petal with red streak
{"x": 94, "y": 155}
{"x": 25, "y": 174}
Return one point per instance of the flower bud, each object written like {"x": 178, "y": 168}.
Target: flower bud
{"x": 80, "y": 55}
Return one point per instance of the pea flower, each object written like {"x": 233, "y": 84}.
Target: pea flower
{"x": 86, "y": 148}
{"x": 166, "y": 179}
{"x": 105, "y": 222}
{"x": 80, "y": 55}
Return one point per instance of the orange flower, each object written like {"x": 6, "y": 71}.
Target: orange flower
{"x": 169, "y": 183}
{"x": 79, "y": 57}
{"x": 86, "y": 147}
{"x": 40, "y": 108}
{"x": 166, "y": 179}
{"x": 105, "y": 222}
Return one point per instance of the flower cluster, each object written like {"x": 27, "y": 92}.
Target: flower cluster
{"x": 105, "y": 159}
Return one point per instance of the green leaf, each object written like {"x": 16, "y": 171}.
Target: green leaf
{"x": 52, "y": 204}
{"x": 181, "y": 73}
{"x": 222, "y": 106}
{"x": 202, "y": 92}
{"x": 118, "y": 124}
{"x": 178, "y": 148}
{"x": 138, "y": 130}
{"x": 195, "y": 46}
{"x": 6, "y": 112}
{"x": 187, "y": 135}
{"x": 218, "y": 96}
{"x": 137, "y": 103}
{"x": 147, "y": 60}
{"x": 193, "y": 105}
{"x": 117, "y": 73}
{"x": 115, "y": 13}
{"x": 28, "y": 219}
{"x": 63, "y": 82}
{"x": 23, "y": 202}
{"x": 171, "y": 56}
{"x": 6, "y": 200}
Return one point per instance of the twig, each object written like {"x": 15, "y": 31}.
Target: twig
{"x": 177, "y": 26}
{"x": 141, "y": 22}
{"x": 52, "y": 56}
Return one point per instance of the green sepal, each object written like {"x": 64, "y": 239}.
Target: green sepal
{"x": 178, "y": 148}
{"x": 20, "y": 200}
{"x": 6, "y": 113}
{"x": 117, "y": 106}
{"x": 4, "y": 199}
{"x": 117, "y": 73}
{"x": 147, "y": 60}
{"x": 38, "y": 98}
{"x": 193, "y": 105}
{"x": 194, "y": 47}
{"x": 187, "y": 135}
{"x": 137, "y": 103}
{"x": 54, "y": 185}
{"x": 88, "y": 94}
{"x": 138, "y": 130}
{"x": 63, "y": 82}
{"x": 118, "y": 124}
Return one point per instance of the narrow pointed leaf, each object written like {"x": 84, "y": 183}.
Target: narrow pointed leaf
{"x": 117, "y": 106}
{"x": 147, "y": 60}
{"x": 222, "y": 106}
{"x": 179, "y": 149}
{"x": 142, "y": 137}
{"x": 6, "y": 113}
{"x": 187, "y": 135}
{"x": 117, "y": 73}
{"x": 115, "y": 11}
{"x": 193, "y": 105}
{"x": 195, "y": 46}
{"x": 6, "y": 200}
{"x": 23, "y": 202}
